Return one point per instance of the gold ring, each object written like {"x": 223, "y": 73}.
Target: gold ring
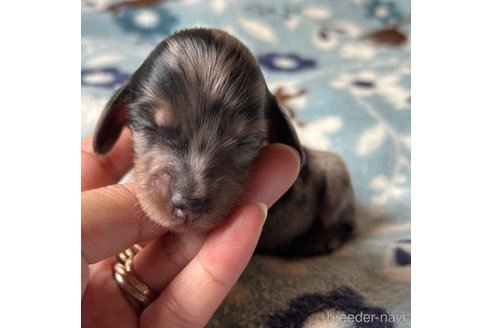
{"x": 138, "y": 294}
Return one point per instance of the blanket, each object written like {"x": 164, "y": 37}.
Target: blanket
{"x": 342, "y": 70}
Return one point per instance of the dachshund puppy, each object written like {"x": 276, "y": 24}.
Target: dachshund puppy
{"x": 200, "y": 111}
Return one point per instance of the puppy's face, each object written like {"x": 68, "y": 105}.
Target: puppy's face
{"x": 192, "y": 161}
{"x": 199, "y": 111}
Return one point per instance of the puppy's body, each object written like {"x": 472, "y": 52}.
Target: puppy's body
{"x": 200, "y": 111}
{"x": 316, "y": 215}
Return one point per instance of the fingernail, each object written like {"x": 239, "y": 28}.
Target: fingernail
{"x": 264, "y": 209}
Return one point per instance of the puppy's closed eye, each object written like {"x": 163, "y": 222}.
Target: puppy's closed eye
{"x": 246, "y": 149}
{"x": 249, "y": 142}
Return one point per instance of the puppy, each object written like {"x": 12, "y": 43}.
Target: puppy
{"x": 200, "y": 111}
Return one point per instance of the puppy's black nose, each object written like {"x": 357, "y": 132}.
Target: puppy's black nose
{"x": 187, "y": 208}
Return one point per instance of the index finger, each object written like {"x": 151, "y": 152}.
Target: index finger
{"x": 112, "y": 220}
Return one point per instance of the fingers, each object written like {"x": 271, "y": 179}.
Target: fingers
{"x": 194, "y": 294}
{"x": 277, "y": 168}
{"x": 99, "y": 171}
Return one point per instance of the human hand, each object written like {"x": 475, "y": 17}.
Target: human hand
{"x": 193, "y": 272}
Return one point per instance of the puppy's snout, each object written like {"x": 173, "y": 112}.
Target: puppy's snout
{"x": 187, "y": 208}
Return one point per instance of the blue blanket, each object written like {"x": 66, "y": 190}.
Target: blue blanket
{"x": 342, "y": 68}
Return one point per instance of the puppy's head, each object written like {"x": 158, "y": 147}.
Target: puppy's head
{"x": 199, "y": 111}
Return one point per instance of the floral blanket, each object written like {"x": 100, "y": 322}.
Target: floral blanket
{"x": 342, "y": 68}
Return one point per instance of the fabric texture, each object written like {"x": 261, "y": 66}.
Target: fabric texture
{"x": 342, "y": 68}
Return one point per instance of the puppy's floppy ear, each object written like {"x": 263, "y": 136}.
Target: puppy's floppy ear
{"x": 280, "y": 129}
{"x": 111, "y": 121}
